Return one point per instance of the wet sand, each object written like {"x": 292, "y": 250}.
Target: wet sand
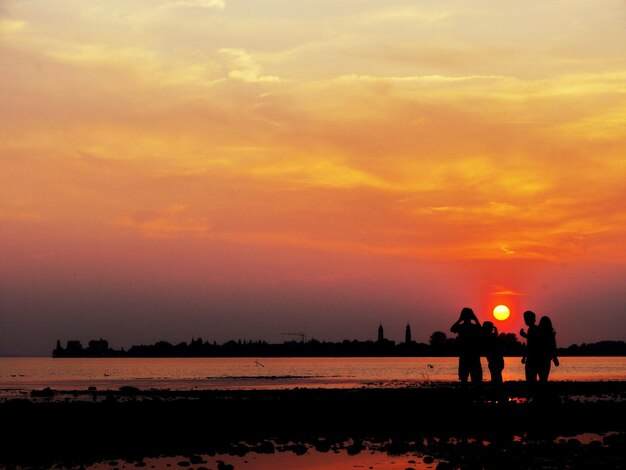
{"x": 455, "y": 427}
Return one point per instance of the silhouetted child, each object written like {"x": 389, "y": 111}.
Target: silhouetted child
{"x": 546, "y": 345}
{"x": 531, "y": 358}
{"x": 493, "y": 351}
{"x": 467, "y": 327}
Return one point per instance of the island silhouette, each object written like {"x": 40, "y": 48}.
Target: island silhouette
{"x": 439, "y": 345}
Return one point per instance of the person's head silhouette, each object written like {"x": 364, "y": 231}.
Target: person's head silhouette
{"x": 467, "y": 314}
{"x": 545, "y": 324}
{"x": 489, "y": 328}
{"x": 529, "y": 318}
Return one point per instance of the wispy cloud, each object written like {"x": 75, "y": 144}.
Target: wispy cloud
{"x": 11, "y": 26}
{"x": 216, "y": 4}
{"x": 507, "y": 292}
{"x": 242, "y": 66}
{"x": 171, "y": 221}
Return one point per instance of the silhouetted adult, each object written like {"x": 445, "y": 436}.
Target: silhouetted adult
{"x": 531, "y": 358}
{"x": 546, "y": 343}
{"x": 493, "y": 351}
{"x": 467, "y": 327}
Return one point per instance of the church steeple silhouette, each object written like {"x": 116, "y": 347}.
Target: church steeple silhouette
{"x": 381, "y": 332}
{"x": 407, "y": 334}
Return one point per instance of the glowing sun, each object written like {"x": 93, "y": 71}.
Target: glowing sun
{"x": 501, "y": 312}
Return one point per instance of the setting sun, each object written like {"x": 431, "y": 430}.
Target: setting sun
{"x": 501, "y": 312}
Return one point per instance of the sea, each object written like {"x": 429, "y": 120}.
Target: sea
{"x": 19, "y": 375}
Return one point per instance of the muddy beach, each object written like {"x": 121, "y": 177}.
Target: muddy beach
{"x": 565, "y": 426}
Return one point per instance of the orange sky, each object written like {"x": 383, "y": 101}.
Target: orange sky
{"x": 227, "y": 168}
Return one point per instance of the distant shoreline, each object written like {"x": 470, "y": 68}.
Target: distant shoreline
{"x": 446, "y": 347}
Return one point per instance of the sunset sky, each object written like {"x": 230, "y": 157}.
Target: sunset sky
{"x": 244, "y": 168}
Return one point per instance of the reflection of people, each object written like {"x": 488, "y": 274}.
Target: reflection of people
{"x": 493, "y": 352}
{"x": 546, "y": 342}
{"x": 467, "y": 327}
{"x": 531, "y": 358}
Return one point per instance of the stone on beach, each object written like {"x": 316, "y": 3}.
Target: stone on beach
{"x": 266, "y": 447}
{"x": 221, "y": 465}
{"x": 196, "y": 459}
{"x": 45, "y": 393}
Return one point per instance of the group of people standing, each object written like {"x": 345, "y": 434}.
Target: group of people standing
{"x": 476, "y": 340}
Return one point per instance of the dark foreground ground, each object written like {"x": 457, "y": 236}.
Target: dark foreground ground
{"x": 460, "y": 428}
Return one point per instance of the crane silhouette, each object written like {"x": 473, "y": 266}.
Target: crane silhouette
{"x": 299, "y": 334}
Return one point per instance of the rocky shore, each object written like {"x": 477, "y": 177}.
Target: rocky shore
{"x": 461, "y": 428}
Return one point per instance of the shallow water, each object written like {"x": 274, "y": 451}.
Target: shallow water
{"x": 372, "y": 456}
{"x": 21, "y": 374}
{"x": 312, "y": 460}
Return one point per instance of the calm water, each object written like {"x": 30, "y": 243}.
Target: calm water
{"x": 287, "y": 461}
{"x": 269, "y": 373}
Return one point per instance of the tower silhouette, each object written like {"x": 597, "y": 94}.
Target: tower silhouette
{"x": 407, "y": 334}
{"x": 381, "y": 332}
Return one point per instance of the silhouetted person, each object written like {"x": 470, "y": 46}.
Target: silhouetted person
{"x": 546, "y": 343}
{"x": 493, "y": 351}
{"x": 531, "y": 359}
{"x": 467, "y": 327}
